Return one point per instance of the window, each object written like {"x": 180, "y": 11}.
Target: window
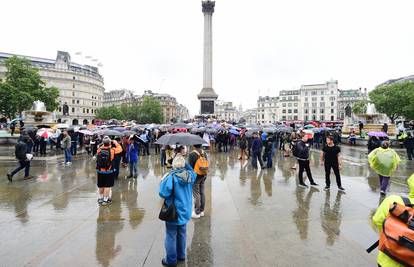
{"x": 306, "y": 93}
{"x": 313, "y": 111}
{"x": 295, "y": 105}
{"x": 322, "y": 111}
{"x": 262, "y": 116}
{"x": 77, "y": 101}
{"x": 295, "y": 111}
{"x": 73, "y": 93}
{"x": 284, "y": 105}
{"x": 295, "y": 117}
{"x": 306, "y": 111}
{"x": 306, "y": 118}
{"x": 322, "y": 92}
{"x": 306, "y": 99}
{"x": 73, "y": 85}
{"x": 73, "y": 110}
{"x": 322, "y": 98}
{"x": 83, "y": 110}
{"x": 306, "y": 105}
{"x": 284, "y": 98}
{"x": 289, "y": 104}
{"x": 314, "y": 105}
{"x": 74, "y": 77}
{"x": 73, "y": 101}
{"x": 322, "y": 104}
{"x": 314, "y": 117}
{"x": 295, "y": 98}
{"x": 332, "y": 110}
{"x": 332, "y": 104}
{"x": 283, "y": 118}
{"x": 60, "y": 109}
{"x": 314, "y": 99}
{"x": 322, "y": 117}
{"x": 284, "y": 111}
{"x": 314, "y": 93}
{"x": 332, "y": 118}
{"x": 289, "y": 111}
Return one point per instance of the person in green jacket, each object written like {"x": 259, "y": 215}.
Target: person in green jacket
{"x": 383, "y": 260}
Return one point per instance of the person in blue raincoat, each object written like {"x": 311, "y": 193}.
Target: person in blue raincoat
{"x": 183, "y": 177}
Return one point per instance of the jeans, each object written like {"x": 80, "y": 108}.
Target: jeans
{"x": 335, "y": 167}
{"x": 304, "y": 165}
{"x": 410, "y": 153}
{"x": 133, "y": 169}
{"x": 256, "y": 157}
{"x": 269, "y": 160}
{"x": 163, "y": 157}
{"x": 23, "y": 164}
{"x": 68, "y": 155}
{"x": 74, "y": 148}
{"x": 175, "y": 242}
{"x": 384, "y": 181}
{"x": 116, "y": 165}
{"x": 198, "y": 193}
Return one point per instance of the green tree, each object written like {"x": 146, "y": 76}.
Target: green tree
{"x": 360, "y": 107}
{"x": 22, "y": 86}
{"x": 150, "y": 111}
{"x": 395, "y": 100}
{"x": 107, "y": 113}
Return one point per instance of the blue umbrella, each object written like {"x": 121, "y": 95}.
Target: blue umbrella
{"x": 119, "y": 129}
{"x": 235, "y": 132}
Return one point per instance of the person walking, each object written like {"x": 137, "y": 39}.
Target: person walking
{"x": 243, "y": 146}
{"x": 22, "y": 153}
{"x": 301, "y": 152}
{"x": 382, "y": 213}
{"x": 198, "y": 188}
{"x": 384, "y": 161}
{"x": 268, "y": 152}
{"x": 12, "y": 128}
{"x": 176, "y": 187}
{"x": 87, "y": 143}
{"x": 132, "y": 156}
{"x": 74, "y": 137}
{"x": 409, "y": 146}
{"x": 66, "y": 145}
{"x": 257, "y": 151}
{"x": 117, "y": 158}
{"x": 105, "y": 170}
{"x": 331, "y": 159}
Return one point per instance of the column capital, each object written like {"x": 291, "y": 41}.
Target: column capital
{"x": 208, "y": 6}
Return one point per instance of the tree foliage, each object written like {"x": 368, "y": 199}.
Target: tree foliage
{"x": 149, "y": 111}
{"x": 360, "y": 107}
{"x": 395, "y": 100}
{"x": 22, "y": 86}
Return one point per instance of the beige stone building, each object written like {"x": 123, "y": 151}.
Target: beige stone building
{"x": 81, "y": 87}
{"x": 172, "y": 110}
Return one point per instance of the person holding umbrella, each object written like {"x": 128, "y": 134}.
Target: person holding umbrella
{"x": 132, "y": 156}
{"x": 384, "y": 161}
{"x": 257, "y": 151}
{"x": 22, "y": 152}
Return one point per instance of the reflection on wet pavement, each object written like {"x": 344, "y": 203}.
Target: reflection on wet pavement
{"x": 253, "y": 217}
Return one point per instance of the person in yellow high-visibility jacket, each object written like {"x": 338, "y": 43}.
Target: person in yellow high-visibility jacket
{"x": 380, "y": 215}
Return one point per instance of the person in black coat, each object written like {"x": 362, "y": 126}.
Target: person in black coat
{"x": 409, "y": 146}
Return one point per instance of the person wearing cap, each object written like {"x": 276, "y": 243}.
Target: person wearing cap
{"x": 106, "y": 176}
{"x": 180, "y": 179}
{"x": 384, "y": 161}
{"x": 132, "y": 156}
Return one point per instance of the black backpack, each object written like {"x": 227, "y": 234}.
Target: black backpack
{"x": 20, "y": 151}
{"x": 103, "y": 159}
{"x": 298, "y": 150}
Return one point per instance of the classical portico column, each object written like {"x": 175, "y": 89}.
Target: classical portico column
{"x": 207, "y": 95}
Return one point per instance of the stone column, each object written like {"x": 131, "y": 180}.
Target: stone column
{"x": 207, "y": 95}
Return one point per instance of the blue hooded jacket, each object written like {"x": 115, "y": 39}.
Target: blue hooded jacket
{"x": 184, "y": 179}
{"x": 132, "y": 153}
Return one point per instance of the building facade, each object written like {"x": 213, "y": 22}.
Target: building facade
{"x": 226, "y": 111}
{"x": 172, "y": 110}
{"x": 81, "y": 87}
{"x": 318, "y": 102}
{"x": 249, "y": 116}
{"x": 350, "y": 97}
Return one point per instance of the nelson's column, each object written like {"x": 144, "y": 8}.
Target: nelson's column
{"x": 207, "y": 96}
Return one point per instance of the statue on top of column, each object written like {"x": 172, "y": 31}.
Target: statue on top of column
{"x": 208, "y": 6}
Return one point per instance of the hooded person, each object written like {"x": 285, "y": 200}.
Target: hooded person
{"x": 180, "y": 179}
{"x": 384, "y": 161}
{"x": 382, "y": 213}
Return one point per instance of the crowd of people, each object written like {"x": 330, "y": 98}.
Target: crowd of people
{"x": 184, "y": 183}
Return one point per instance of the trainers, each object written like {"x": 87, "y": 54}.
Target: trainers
{"x": 314, "y": 184}
{"x": 28, "y": 177}
{"x": 164, "y": 263}
{"x": 382, "y": 192}
{"x": 68, "y": 163}
{"x": 303, "y": 185}
{"x": 341, "y": 189}
{"x": 100, "y": 201}
{"x": 195, "y": 216}
{"x": 136, "y": 176}
{"x": 202, "y": 214}
{"x": 109, "y": 201}
{"x": 326, "y": 188}
{"x": 129, "y": 176}
{"x": 9, "y": 177}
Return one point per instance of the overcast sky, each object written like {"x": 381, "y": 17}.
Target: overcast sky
{"x": 264, "y": 45}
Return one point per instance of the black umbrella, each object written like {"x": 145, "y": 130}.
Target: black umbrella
{"x": 29, "y": 129}
{"x": 128, "y": 133}
{"x": 184, "y": 139}
{"x": 109, "y": 133}
{"x": 269, "y": 130}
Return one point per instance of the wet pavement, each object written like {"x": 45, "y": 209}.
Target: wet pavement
{"x": 253, "y": 217}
